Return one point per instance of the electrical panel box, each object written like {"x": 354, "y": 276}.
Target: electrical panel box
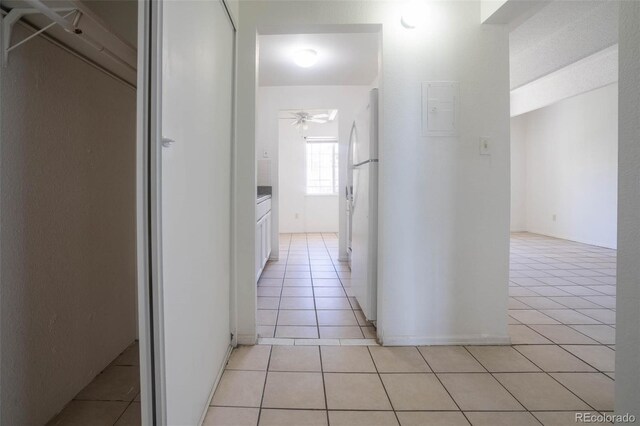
{"x": 440, "y": 105}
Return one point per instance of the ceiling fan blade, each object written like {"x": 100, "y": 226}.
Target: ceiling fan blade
{"x": 320, "y": 116}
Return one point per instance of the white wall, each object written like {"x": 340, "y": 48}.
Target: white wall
{"x": 299, "y": 212}
{"x": 273, "y": 99}
{"x": 444, "y": 209}
{"x": 518, "y": 174}
{"x": 571, "y": 168}
{"x": 68, "y": 227}
{"x": 196, "y": 220}
{"x": 628, "y": 299}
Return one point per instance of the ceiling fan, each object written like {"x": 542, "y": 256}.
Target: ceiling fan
{"x": 301, "y": 119}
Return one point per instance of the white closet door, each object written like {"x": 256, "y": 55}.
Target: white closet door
{"x": 197, "y": 107}
{"x": 190, "y": 221}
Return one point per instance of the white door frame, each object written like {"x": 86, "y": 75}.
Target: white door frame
{"x": 148, "y": 214}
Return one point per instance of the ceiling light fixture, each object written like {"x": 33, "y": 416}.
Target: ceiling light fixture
{"x": 408, "y": 20}
{"x": 413, "y": 14}
{"x": 305, "y": 58}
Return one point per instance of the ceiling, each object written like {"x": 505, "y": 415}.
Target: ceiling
{"x": 343, "y": 59}
{"x": 560, "y": 34}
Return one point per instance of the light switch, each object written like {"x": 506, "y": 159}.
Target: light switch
{"x": 485, "y": 146}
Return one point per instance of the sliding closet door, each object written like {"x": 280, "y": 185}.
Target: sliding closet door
{"x": 197, "y": 107}
{"x": 192, "y": 200}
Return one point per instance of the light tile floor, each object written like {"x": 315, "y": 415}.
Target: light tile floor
{"x": 111, "y": 399}
{"x": 562, "y": 325}
{"x": 306, "y": 293}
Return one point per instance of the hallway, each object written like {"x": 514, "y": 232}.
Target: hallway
{"x": 561, "y": 361}
{"x": 306, "y": 294}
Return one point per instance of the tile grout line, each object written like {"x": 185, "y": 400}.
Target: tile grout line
{"x": 443, "y": 386}
{"x": 313, "y": 293}
{"x": 264, "y": 386}
{"x": 395, "y": 413}
{"x": 596, "y": 342}
{"x": 324, "y": 386}
{"x": 557, "y": 381}
{"x": 286, "y": 264}
{"x": 501, "y": 384}
{"x": 124, "y": 411}
{"x": 597, "y": 370}
{"x": 345, "y": 290}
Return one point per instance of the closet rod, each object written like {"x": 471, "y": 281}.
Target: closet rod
{"x": 72, "y": 27}
{"x": 75, "y": 53}
{"x": 55, "y": 17}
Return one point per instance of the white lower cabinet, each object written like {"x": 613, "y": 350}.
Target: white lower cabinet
{"x": 263, "y": 242}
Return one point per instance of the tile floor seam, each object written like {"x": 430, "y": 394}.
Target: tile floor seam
{"x": 565, "y": 308}
{"x": 324, "y": 385}
{"x": 264, "y": 385}
{"x": 498, "y": 381}
{"x": 286, "y": 263}
{"x": 443, "y": 386}
{"x": 315, "y": 305}
{"x": 557, "y": 381}
{"x": 122, "y": 414}
{"x": 343, "y": 288}
{"x": 384, "y": 387}
{"x": 568, "y": 352}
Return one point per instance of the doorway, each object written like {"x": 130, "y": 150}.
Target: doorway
{"x": 312, "y": 87}
{"x": 564, "y": 179}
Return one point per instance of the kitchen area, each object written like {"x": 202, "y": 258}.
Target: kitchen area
{"x": 263, "y": 228}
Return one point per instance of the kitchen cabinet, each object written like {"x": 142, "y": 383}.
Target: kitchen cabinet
{"x": 263, "y": 235}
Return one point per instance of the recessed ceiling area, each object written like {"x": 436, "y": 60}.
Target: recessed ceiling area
{"x": 344, "y": 59}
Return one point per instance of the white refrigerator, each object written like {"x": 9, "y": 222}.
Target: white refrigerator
{"x": 362, "y": 190}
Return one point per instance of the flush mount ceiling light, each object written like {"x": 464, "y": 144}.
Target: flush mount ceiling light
{"x": 408, "y": 19}
{"x": 407, "y": 22}
{"x": 305, "y": 58}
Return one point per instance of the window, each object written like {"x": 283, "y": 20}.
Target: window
{"x": 322, "y": 166}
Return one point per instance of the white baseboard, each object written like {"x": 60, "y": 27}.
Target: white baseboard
{"x": 445, "y": 340}
{"x": 215, "y": 384}
{"x": 247, "y": 339}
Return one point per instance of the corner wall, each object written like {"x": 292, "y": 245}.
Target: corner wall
{"x": 68, "y": 227}
{"x": 444, "y": 209}
{"x": 518, "y": 174}
{"x": 628, "y": 298}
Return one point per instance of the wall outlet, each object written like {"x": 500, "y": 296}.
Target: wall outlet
{"x": 265, "y": 154}
{"x": 485, "y": 146}
{"x": 297, "y": 215}
{"x": 553, "y": 217}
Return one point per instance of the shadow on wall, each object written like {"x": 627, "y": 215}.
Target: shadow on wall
{"x": 68, "y": 227}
